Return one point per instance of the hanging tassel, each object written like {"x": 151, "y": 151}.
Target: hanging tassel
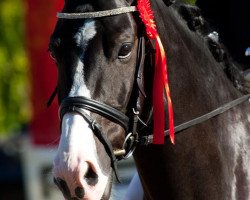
{"x": 160, "y": 76}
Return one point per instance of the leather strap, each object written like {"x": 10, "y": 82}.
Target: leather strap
{"x": 141, "y": 59}
{"x": 145, "y": 140}
{"x": 97, "y": 14}
{"x": 53, "y": 95}
{"x": 97, "y": 107}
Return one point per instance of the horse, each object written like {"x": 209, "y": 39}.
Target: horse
{"x": 105, "y": 77}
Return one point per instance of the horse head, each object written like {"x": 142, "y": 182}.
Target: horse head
{"x": 96, "y": 59}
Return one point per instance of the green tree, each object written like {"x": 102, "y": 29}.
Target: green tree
{"x": 14, "y": 91}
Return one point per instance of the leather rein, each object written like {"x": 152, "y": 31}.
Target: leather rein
{"x": 80, "y": 104}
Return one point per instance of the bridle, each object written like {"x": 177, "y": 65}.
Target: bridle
{"x": 80, "y": 104}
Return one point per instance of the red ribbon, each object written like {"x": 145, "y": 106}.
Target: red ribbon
{"x": 160, "y": 77}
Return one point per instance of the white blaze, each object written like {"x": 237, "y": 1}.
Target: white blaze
{"x": 84, "y": 35}
{"x": 77, "y": 145}
{"x": 79, "y": 87}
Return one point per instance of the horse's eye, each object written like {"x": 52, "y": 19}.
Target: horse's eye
{"x": 125, "y": 51}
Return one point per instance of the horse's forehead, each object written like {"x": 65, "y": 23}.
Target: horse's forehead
{"x": 69, "y": 27}
{"x": 85, "y": 32}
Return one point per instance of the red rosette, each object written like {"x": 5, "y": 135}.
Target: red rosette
{"x": 160, "y": 76}
{"x": 147, "y": 16}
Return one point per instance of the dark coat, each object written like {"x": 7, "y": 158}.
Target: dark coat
{"x": 231, "y": 19}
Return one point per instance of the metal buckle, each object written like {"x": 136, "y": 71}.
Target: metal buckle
{"x": 130, "y": 141}
{"x": 130, "y": 144}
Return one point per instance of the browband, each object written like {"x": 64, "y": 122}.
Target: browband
{"x": 97, "y": 14}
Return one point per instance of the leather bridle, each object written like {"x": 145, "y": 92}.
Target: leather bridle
{"x": 80, "y": 104}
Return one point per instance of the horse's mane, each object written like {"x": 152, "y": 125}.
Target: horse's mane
{"x": 197, "y": 23}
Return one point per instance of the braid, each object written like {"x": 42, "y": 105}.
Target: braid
{"x": 197, "y": 23}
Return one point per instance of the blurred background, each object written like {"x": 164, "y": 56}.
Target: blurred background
{"x": 29, "y": 132}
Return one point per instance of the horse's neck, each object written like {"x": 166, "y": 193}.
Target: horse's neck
{"x": 197, "y": 80}
{"x": 203, "y": 163}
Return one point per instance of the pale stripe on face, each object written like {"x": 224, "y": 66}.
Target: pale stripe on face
{"x": 82, "y": 37}
{"x": 77, "y": 147}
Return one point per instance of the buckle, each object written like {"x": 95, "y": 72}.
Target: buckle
{"x": 128, "y": 147}
{"x": 130, "y": 144}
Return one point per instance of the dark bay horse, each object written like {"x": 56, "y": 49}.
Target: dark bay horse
{"x": 99, "y": 62}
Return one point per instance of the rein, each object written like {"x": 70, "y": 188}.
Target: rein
{"x": 145, "y": 140}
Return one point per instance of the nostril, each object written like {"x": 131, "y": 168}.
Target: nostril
{"x": 62, "y": 185}
{"x": 90, "y": 176}
{"x": 79, "y": 191}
